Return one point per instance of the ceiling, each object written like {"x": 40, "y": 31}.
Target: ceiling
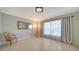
{"x": 30, "y": 14}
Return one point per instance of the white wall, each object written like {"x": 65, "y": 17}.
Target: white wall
{"x": 0, "y": 27}
{"x": 1, "y": 40}
{"x": 9, "y": 24}
{"x": 0, "y": 22}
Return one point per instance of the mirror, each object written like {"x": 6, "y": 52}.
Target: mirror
{"x": 23, "y": 25}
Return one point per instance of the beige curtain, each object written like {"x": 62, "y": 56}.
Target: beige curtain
{"x": 67, "y": 29}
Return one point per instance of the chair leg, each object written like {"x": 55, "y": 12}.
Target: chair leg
{"x": 16, "y": 40}
{"x": 10, "y": 42}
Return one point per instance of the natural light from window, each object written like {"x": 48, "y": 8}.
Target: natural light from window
{"x": 30, "y": 26}
{"x": 52, "y": 28}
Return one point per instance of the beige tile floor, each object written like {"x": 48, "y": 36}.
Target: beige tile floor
{"x": 38, "y": 44}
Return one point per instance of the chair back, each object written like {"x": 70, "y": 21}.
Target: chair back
{"x": 6, "y": 35}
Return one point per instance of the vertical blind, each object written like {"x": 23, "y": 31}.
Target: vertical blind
{"x": 52, "y": 28}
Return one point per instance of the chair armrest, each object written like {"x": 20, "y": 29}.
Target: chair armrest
{"x": 13, "y": 36}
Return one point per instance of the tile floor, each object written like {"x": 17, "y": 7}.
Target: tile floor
{"x": 38, "y": 44}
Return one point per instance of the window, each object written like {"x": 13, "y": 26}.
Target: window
{"x": 47, "y": 28}
{"x": 52, "y": 28}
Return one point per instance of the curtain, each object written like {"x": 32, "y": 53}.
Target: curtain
{"x": 66, "y": 29}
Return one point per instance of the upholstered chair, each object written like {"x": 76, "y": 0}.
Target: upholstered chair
{"x": 9, "y": 37}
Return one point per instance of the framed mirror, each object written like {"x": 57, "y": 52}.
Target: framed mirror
{"x": 23, "y": 25}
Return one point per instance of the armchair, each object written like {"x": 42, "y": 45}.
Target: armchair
{"x": 9, "y": 37}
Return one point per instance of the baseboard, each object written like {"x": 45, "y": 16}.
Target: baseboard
{"x": 2, "y": 43}
{"x": 76, "y": 44}
{"x": 25, "y": 37}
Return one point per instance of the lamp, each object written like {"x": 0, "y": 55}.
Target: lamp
{"x": 39, "y": 9}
